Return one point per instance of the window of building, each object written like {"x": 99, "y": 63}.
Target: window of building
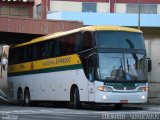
{"x": 14, "y": 11}
{"x": 89, "y": 7}
{"x": 4, "y": 10}
{"x": 145, "y": 8}
{"x": 24, "y": 11}
{"x": 19, "y": 11}
{"x": 39, "y": 11}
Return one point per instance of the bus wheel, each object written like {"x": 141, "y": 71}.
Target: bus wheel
{"x": 27, "y": 100}
{"x": 20, "y": 97}
{"x": 77, "y": 103}
{"x": 118, "y": 106}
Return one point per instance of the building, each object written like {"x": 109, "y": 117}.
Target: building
{"x": 133, "y": 13}
{"x": 21, "y": 21}
{"x": 105, "y": 12}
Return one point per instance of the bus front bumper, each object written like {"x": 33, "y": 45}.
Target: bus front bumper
{"x": 115, "y": 97}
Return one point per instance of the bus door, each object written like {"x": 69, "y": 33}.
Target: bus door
{"x": 91, "y": 78}
{"x": 88, "y": 62}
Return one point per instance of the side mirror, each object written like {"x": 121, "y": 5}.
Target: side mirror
{"x": 149, "y": 64}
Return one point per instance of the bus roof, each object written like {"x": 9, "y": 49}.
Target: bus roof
{"x": 87, "y": 28}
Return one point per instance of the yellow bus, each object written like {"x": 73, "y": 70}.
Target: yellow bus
{"x": 93, "y": 64}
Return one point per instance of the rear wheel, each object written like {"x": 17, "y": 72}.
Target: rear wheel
{"x": 20, "y": 97}
{"x": 27, "y": 100}
{"x": 77, "y": 103}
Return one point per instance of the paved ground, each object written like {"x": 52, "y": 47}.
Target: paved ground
{"x": 45, "y": 112}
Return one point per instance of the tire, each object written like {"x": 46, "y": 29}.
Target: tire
{"x": 27, "y": 99}
{"x": 118, "y": 106}
{"x": 20, "y": 99}
{"x": 77, "y": 103}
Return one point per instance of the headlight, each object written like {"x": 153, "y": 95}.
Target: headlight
{"x": 142, "y": 89}
{"x": 105, "y": 88}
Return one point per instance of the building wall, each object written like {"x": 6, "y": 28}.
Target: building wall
{"x": 103, "y": 7}
{"x": 153, "y": 47}
{"x": 72, "y": 6}
{"x": 147, "y": 20}
{"x": 65, "y": 6}
{"x": 120, "y": 8}
{"x": 158, "y": 9}
{"x": 37, "y": 2}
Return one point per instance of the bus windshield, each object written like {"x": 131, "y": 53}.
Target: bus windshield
{"x": 120, "y": 58}
{"x": 119, "y": 39}
{"x": 122, "y": 67}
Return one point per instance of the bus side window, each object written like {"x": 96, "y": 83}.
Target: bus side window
{"x": 34, "y": 52}
{"x": 27, "y": 53}
{"x": 63, "y": 45}
{"x": 51, "y": 48}
{"x": 11, "y": 56}
{"x": 19, "y": 56}
{"x": 71, "y": 43}
{"x": 87, "y": 40}
{"x": 57, "y": 48}
{"x": 40, "y": 53}
{"x": 77, "y": 42}
{"x": 37, "y": 51}
{"x": 46, "y": 49}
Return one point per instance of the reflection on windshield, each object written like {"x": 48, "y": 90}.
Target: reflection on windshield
{"x": 120, "y": 66}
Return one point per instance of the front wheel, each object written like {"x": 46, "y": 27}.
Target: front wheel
{"x": 77, "y": 103}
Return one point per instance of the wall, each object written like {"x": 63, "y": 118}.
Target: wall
{"x": 120, "y": 8}
{"x": 103, "y": 7}
{"x": 36, "y": 2}
{"x": 158, "y": 9}
{"x": 72, "y": 6}
{"x": 153, "y": 48}
{"x": 65, "y": 6}
{"x": 88, "y": 18}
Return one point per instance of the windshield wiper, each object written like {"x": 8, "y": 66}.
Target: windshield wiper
{"x": 128, "y": 65}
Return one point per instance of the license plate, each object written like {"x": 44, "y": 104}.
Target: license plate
{"x": 123, "y": 101}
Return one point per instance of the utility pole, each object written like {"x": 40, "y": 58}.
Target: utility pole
{"x": 139, "y": 15}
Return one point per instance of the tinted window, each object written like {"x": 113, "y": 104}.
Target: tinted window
{"x": 87, "y": 41}
{"x": 111, "y": 39}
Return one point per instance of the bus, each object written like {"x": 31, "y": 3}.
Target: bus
{"x": 92, "y": 64}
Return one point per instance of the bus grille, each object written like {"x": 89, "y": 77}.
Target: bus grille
{"x": 124, "y": 88}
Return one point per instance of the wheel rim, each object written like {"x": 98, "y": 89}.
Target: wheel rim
{"x": 27, "y": 98}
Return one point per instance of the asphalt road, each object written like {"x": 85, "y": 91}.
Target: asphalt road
{"x": 45, "y": 112}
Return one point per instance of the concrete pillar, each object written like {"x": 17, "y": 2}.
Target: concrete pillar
{"x": 3, "y": 71}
